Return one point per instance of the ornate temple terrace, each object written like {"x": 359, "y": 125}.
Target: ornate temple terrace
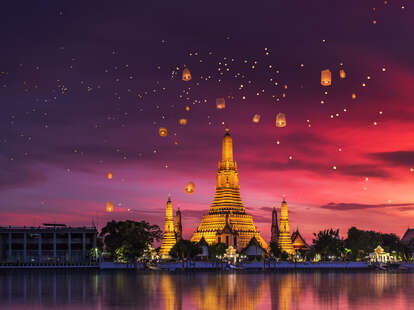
{"x": 227, "y": 221}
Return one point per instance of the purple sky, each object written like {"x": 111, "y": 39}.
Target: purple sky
{"x": 85, "y": 87}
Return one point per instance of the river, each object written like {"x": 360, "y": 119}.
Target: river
{"x": 84, "y": 290}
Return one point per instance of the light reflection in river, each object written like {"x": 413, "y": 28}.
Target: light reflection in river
{"x": 86, "y": 290}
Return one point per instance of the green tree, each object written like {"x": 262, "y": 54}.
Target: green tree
{"x": 216, "y": 249}
{"x": 127, "y": 240}
{"x": 327, "y": 243}
{"x": 363, "y": 242}
{"x": 185, "y": 249}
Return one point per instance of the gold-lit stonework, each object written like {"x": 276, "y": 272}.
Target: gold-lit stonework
{"x": 285, "y": 242}
{"x": 168, "y": 239}
{"x": 227, "y": 207}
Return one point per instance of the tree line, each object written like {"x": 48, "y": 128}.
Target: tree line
{"x": 129, "y": 240}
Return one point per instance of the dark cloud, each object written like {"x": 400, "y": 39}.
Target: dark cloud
{"x": 197, "y": 214}
{"x": 360, "y": 206}
{"x": 267, "y": 209}
{"x": 367, "y": 170}
{"x": 396, "y": 158}
{"x": 14, "y": 175}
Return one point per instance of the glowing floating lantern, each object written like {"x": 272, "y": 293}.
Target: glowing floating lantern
{"x": 187, "y": 108}
{"x": 280, "y": 120}
{"x": 182, "y": 121}
{"x": 109, "y": 175}
{"x": 109, "y": 207}
{"x": 189, "y": 188}
{"x": 220, "y": 103}
{"x": 342, "y": 74}
{"x": 162, "y": 132}
{"x": 256, "y": 118}
{"x": 354, "y": 96}
{"x": 326, "y": 77}
{"x": 186, "y": 75}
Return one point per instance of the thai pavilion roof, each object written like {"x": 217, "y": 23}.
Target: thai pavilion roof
{"x": 408, "y": 237}
{"x": 297, "y": 239}
{"x": 253, "y": 242}
{"x": 202, "y": 242}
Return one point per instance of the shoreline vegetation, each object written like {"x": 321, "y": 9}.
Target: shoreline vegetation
{"x": 222, "y": 266}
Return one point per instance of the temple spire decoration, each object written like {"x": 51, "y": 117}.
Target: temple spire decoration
{"x": 285, "y": 241}
{"x": 178, "y": 226}
{"x": 168, "y": 239}
{"x": 227, "y": 208}
{"x": 275, "y": 227}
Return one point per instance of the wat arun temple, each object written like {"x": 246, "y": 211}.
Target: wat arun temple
{"x": 227, "y": 221}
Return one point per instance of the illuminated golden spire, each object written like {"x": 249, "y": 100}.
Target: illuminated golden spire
{"x": 227, "y": 147}
{"x": 227, "y": 206}
{"x": 227, "y": 197}
{"x": 285, "y": 241}
{"x": 168, "y": 239}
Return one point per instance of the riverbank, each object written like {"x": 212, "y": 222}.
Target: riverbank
{"x": 217, "y": 266}
{"x": 251, "y": 266}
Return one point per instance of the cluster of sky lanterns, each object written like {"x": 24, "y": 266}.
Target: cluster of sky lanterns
{"x": 280, "y": 122}
{"x": 326, "y": 76}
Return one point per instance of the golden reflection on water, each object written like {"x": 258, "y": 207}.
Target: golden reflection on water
{"x": 276, "y": 291}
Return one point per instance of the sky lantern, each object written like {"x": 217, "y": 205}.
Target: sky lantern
{"x": 280, "y": 120}
{"x": 189, "y": 188}
{"x": 220, "y": 103}
{"x": 256, "y": 118}
{"x": 182, "y": 121}
{"x": 342, "y": 74}
{"x": 186, "y": 75}
{"x": 162, "y": 132}
{"x": 109, "y": 207}
{"x": 326, "y": 77}
{"x": 354, "y": 96}
{"x": 109, "y": 175}
{"x": 187, "y": 108}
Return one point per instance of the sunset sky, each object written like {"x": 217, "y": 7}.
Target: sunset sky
{"x": 84, "y": 88}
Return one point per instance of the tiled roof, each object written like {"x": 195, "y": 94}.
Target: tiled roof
{"x": 408, "y": 236}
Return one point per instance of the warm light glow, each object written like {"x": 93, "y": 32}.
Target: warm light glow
{"x": 189, "y": 188}
{"x": 182, "y": 121}
{"x": 109, "y": 175}
{"x": 186, "y": 75}
{"x": 162, "y": 132}
{"x": 326, "y": 77}
{"x": 280, "y": 120}
{"x": 342, "y": 74}
{"x": 256, "y": 118}
{"x": 220, "y": 103}
{"x": 109, "y": 207}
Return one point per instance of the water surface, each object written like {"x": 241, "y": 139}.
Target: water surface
{"x": 84, "y": 290}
